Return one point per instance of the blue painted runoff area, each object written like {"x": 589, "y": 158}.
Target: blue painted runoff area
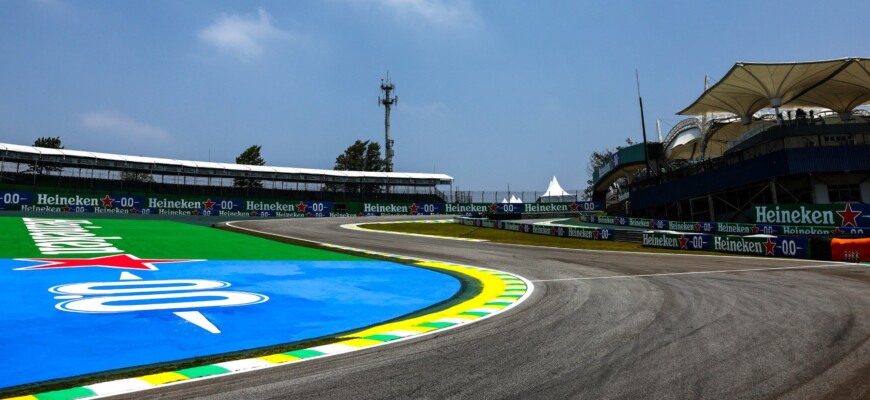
{"x": 64, "y": 322}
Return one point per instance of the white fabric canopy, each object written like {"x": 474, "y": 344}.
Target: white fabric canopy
{"x": 555, "y": 193}
{"x": 840, "y": 85}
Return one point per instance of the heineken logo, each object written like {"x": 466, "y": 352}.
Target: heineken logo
{"x": 466, "y": 208}
{"x": 581, "y": 233}
{"x": 641, "y": 223}
{"x": 60, "y": 236}
{"x": 547, "y": 207}
{"x": 385, "y": 208}
{"x": 542, "y": 229}
{"x": 58, "y": 200}
{"x": 811, "y": 214}
{"x": 167, "y": 203}
{"x": 741, "y": 245}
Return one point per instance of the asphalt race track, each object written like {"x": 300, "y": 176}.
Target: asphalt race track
{"x": 692, "y": 327}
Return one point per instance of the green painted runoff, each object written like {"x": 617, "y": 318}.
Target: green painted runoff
{"x": 166, "y": 239}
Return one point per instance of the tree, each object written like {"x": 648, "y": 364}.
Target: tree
{"x": 47, "y": 142}
{"x": 361, "y": 156}
{"x": 596, "y": 160}
{"x": 133, "y": 176}
{"x": 251, "y": 156}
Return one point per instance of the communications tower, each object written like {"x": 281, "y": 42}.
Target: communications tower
{"x": 387, "y": 101}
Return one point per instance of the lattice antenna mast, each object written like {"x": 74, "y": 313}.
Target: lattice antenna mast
{"x": 387, "y": 88}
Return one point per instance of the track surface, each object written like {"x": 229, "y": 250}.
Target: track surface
{"x": 786, "y": 333}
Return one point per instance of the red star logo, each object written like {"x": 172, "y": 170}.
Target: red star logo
{"x": 195, "y": 212}
{"x": 208, "y": 204}
{"x": 849, "y": 216}
{"x": 493, "y": 207}
{"x": 414, "y": 208}
{"x": 107, "y": 201}
{"x": 301, "y": 207}
{"x": 595, "y": 234}
{"x": 134, "y": 211}
{"x": 67, "y": 209}
{"x": 754, "y": 229}
{"x": 837, "y": 231}
{"x": 120, "y": 261}
{"x": 253, "y": 213}
{"x": 698, "y": 227}
{"x": 683, "y": 242}
{"x": 652, "y": 223}
{"x": 575, "y": 206}
{"x": 769, "y": 246}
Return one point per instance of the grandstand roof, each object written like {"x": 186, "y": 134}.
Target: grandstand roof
{"x": 839, "y": 85}
{"x": 78, "y": 158}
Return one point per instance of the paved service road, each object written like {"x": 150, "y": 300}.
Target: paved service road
{"x": 591, "y": 330}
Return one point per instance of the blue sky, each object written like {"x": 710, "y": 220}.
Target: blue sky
{"x": 493, "y": 93}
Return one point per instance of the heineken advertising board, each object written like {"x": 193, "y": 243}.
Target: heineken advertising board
{"x": 540, "y": 229}
{"x": 583, "y": 233}
{"x": 684, "y": 226}
{"x": 849, "y": 214}
{"x": 822, "y": 230}
{"x": 685, "y": 241}
{"x": 762, "y": 246}
{"x": 165, "y": 205}
{"x": 402, "y": 208}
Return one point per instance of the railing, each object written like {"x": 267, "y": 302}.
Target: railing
{"x": 497, "y": 196}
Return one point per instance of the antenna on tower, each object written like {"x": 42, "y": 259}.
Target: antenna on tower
{"x": 387, "y": 88}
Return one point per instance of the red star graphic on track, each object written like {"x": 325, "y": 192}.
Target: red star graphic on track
{"x": 493, "y": 207}
{"x": 849, "y": 216}
{"x": 574, "y": 206}
{"x": 754, "y": 229}
{"x": 107, "y": 201}
{"x": 769, "y": 246}
{"x": 120, "y": 261}
{"x": 301, "y": 207}
{"x": 414, "y": 208}
{"x": 683, "y": 242}
{"x": 208, "y": 204}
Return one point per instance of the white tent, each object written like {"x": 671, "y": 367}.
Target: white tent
{"x": 503, "y": 200}
{"x": 515, "y": 200}
{"x": 555, "y": 194}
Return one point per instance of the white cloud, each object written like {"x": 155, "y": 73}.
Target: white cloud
{"x": 121, "y": 125}
{"x": 439, "y": 13}
{"x": 242, "y": 36}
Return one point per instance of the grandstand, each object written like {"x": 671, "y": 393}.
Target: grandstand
{"x": 29, "y": 168}
{"x": 766, "y": 133}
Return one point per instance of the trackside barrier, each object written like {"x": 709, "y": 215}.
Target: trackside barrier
{"x": 762, "y": 246}
{"x": 723, "y": 227}
{"x": 120, "y": 203}
{"x": 680, "y": 241}
{"x": 540, "y": 229}
{"x": 852, "y": 250}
